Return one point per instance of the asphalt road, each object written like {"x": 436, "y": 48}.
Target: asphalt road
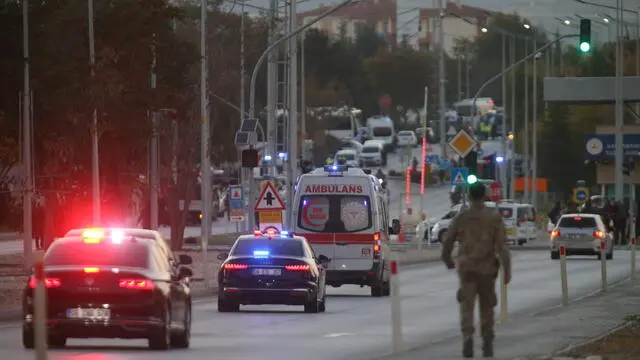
{"x": 355, "y": 325}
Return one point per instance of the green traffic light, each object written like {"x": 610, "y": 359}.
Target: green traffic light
{"x": 472, "y": 179}
{"x": 585, "y": 47}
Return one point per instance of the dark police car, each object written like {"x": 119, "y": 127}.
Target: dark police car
{"x": 112, "y": 286}
{"x": 272, "y": 269}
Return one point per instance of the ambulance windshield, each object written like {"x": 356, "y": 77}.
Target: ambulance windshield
{"x": 334, "y": 213}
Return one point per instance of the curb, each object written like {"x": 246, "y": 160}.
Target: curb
{"x": 571, "y": 347}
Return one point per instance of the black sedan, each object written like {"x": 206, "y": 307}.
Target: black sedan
{"x": 263, "y": 269}
{"x": 112, "y": 287}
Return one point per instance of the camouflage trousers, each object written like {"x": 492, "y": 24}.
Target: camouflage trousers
{"x": 483, "y": 287}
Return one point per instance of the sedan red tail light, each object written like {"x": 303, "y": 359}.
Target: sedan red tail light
{"x": 48, "y": 282}
{"x": 136, "y": 284}
{"x": 231, "y": 266}
{"x": 298, "y": 267}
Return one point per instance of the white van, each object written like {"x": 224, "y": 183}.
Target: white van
{"x": 372, "y": 154}
{"x": 350, "y": 156}
{"x": 381, "y": 128}
{"x": 520, "y": 221}
{"x": 342, "y": 213}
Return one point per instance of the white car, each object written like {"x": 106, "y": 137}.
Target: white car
{"x": 407, "y": 138}
{"x": 435, "y": 228}
{"x": 350, "y": 155}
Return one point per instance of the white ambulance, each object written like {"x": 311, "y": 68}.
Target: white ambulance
{"x": 342, "y": 213}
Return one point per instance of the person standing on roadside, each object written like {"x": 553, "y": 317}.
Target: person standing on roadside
{"x": 482, "y": 235}
{"x": 621, "y": 216}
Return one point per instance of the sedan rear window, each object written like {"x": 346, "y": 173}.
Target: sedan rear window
{"x": 126, "y": 254}
{"x": 370, "y": 149}
{"x": 577, "y": 222}
{"x": 275, "y": 247}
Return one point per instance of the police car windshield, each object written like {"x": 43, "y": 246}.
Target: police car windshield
{"x": 275, "y": 247}
{"x": 381, "y": 131}
{"x": 370, "y": 149}
{"x": 334, "y": 213}
{"x": 105, "y": 253}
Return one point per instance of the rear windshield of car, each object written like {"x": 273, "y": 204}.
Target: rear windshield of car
{"x": 381, "y": 131}
{"x": 577, "y": 222}
{"x": 506, "y": 212}
{"x": 334, "y": 213}
{"x": 370, "y": 149}
{"x": 275, "y": 247}
{"x": 126, "y": 254}
{"x": 347, "y": 156}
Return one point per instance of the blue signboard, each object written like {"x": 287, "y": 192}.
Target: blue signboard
{"x": 459, "y": 176}
{"x": 603, "y": 146}
{"x": 236, "y": 203}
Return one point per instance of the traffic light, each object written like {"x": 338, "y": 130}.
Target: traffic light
{"x": 472, "y": 179}
{"x": 585, "y": 35}
{"x": 471, "y": 162}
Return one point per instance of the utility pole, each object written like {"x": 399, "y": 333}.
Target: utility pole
{"x": 292, "y": 158}
{"x": 619, "y": 114}
{"x": 512, "y": 163}
{"x": 534, "y": 137}
{"x": 95, "y": 158}
{"x": 443, "y": 80}
{"x": 525, "y": 141}
{"x": 503, "y": 178}
{"x": 303, "y": 99}
{"x": 27, "y": 241}
{"x": 272, "y": 83}
{"x": 205, "y": 167}
{"x": 243, "y": 106}
{"x": 153, "y": 166}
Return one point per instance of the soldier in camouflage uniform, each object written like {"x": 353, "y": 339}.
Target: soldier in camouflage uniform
{"x": 481, "y": 234}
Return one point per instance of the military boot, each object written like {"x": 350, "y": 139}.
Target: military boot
{"x": 467, "y": 348}
{"x": 487, "y": 349}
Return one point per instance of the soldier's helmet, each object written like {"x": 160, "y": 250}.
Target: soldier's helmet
{"x": 477, "y": 191}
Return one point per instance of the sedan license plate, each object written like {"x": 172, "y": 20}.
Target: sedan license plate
{"x": 79, "y": 313}
{"x": 271, "y": 272}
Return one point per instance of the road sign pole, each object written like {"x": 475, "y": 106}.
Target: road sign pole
{"x": 563, "y": 276}
{"x": 40, "y": 308}
{"x": 633, "y": 256}
{"x": 396, "y": 311}
{"x": 603, "y": 265}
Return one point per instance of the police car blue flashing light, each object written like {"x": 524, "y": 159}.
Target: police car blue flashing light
{"x": 267, "y": 158}
{"x": 284, "y": 233}
{"x": 282, "y": 155}
{"x": 260, "y": 253}
{"x": 335, "y": 169}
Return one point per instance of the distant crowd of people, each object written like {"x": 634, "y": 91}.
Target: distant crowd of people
{"x": 615, "y": 215}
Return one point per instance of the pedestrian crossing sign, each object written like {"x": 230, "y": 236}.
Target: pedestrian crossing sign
{"x": 459, "y": 176}
{"x": 269, "y": 199}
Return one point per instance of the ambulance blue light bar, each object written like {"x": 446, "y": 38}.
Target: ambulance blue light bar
{"x": 336, "y": 170}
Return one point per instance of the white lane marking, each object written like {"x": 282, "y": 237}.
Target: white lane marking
{"x": 335, "y": 335}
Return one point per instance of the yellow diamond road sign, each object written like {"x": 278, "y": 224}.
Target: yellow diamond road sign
{"x": 462, "y": 143}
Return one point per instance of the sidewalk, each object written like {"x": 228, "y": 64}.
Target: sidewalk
{"x": 547, "y": 333}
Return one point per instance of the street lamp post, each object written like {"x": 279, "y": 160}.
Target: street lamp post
{"x": 95, "y": 158}
{"x": 27, "y": 241}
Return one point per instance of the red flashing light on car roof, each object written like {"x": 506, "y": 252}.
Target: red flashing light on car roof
{"x": 577, "y": 218}
{"x": 93, "y": 233}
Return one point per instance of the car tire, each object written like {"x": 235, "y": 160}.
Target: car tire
{"x": 441, "y": 236}
{"x": 377, "y": 289}
{"x": 56, "y": 341}
{"x": 386, "y": 288}
{"x": 182, "y": 340}
{"x": 312, "y": 307}
{"x": 160, "y": 338}
{"x": 28, "y": 341}
{"x": 322, "y": 307}
{"x": 226, "y": 306}
{"x": 555, "y": 255}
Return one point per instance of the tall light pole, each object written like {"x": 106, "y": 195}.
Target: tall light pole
{"x": 619, "y": 120}
{"x": 442, "y": 80}
{"x": 154, "y": 158}
{"x": 504, "y": 117}
{"x": 512, "y": 163}
{"x": 303, "y": 98}
{"x": 205, "y": 168}
{"x": 525, "y": 195}
{"x": 95, "y": 158}
{"x": 534, "y": 128}
{"x": 292, "y": 158}
{"x": 27, "y": 231}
